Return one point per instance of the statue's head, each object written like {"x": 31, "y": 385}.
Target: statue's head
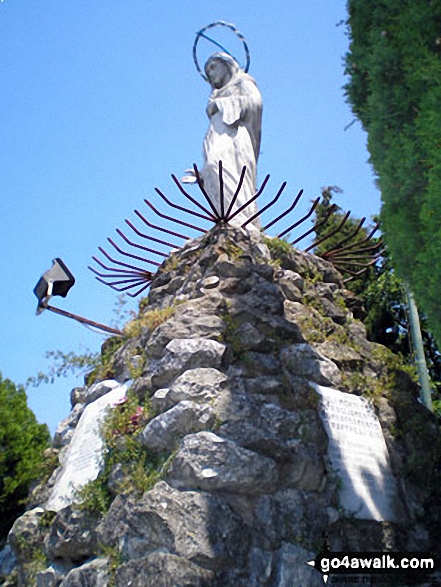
{"x": 220, "y": 68}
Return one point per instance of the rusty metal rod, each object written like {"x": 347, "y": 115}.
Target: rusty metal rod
{"x": 126, "y": 288}
{"x": 135, "y": 280}
{"x": 365, "y": 267}
{"x": 335, "y": 231}
{"x": 120, "y": 288}
{"x": 129, "y": 242}
{"x": 119, "y": 262}
{"x": 198, "y": 204}
{"x": 119, "y": 271}
{"x": 265, "y": 208}
{"x": 236, "y": 193}
{"x": 129, "y": 276}
{"x": 206, "y": 196}
{"x": 221, "y": 192}
{"x": 341, "y": 260}
{"x": 305, "y": 217}
{"x": 82, "y": 320}
{"x": 287, "y": 211}
{"x": 135, "y": 269}
{"x": 152, "y": 238}
{"x": 352, "y": 264}
{"x": 251, "y": 200}
{"x": 318, "y": 225}
{"x": 133, "y": 295}
{"x": 365, "y": 240}
{"x": 349, "y": 237}
{"x": 181, "y": 222}
{"x": 182, "y": 208}
{"x": 160, "y": 228}
{"x": 362, "y": 251}
{"x": 137, "y": 257}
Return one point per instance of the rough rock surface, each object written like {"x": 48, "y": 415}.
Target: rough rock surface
{"x": 223, "y": 352}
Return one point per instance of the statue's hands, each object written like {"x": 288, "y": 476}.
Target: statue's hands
{"x": 211, "y": 109}
{"x": 189, "y": 177}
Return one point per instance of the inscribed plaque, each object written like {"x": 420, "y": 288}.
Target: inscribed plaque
{"x": 358, "y": 453}
{"x": 84, "y": 459}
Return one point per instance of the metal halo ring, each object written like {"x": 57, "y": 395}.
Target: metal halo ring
{"x": 231, "y": 27}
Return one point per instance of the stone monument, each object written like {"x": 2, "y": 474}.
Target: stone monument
{"x": 233, "y": 137}
{"x": 358, "y": 454}
{"x": 83, "y": 460}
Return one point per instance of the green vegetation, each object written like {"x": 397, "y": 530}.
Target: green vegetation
{"x": 99, "y": 366}
{"x": 394, "y": 66}
{"x": 381, "y": 292}
{"x": 115, "y": 559}
{"x": 229, "y": 335}
{"x": 103, "y": 364}
{"x": 140, "y": 470}
{"x": 64, "y": 364}
{"x": 278, "y": 247}
{"x": 22, "y": 443}
{"x": 151, "y": 320}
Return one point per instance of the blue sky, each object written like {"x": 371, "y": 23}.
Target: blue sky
{"x": 100, "y": 102}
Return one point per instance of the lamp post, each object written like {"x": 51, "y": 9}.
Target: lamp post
{"x": 57, "y": 281}
{"x": 417, "y": 341}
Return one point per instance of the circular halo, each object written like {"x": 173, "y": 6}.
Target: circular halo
{"x": 232, "y": 27}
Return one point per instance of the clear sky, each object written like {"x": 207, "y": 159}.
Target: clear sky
{"x": 100, "y": 102}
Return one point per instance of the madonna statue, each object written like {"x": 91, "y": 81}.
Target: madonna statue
{"x": 233, "y": 137}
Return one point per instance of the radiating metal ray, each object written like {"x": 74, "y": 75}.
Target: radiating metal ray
{"x": 330, "y": 234}
{"x": 134, "y": 269}
{"x": 195, "y": 202}
{"x": 160, "y": 228}
{"x": 361, "y": 251}
{"x": 126, "y": 277}
{"x": 349, "y": 237}
{"x": 251, "y": 200}
{"x": 124, "y": 289}
{"x": 129, "y": 242}
{"x": 137, "y": 257}
{"x": 181, "y": 222}
{"x": 152, "y": 238}
{"x": 286, "y": 212}
{"x": 182, "y": 208}
{"x": 133, "y": 275}
{"x": 318, "y": 225}
{"x": 221, "y": 191}
{"x": 119, "y": 262}
{"x": 265, "y": 208}
{"x": 236, "y": 193}
{"x": 348, "y": 247}
{"x": 204, "y": 193}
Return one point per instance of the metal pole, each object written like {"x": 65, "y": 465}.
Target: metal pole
{"x": 417, "y": 341}
{"x": 83, "y": 320}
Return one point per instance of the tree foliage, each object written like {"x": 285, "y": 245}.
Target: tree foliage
{"x": 22, "y": 443}
{"x": 394, "y": 64}
{"x": 381, "y": 292}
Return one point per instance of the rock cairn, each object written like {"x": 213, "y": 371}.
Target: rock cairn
{"x": 246, "y": 496}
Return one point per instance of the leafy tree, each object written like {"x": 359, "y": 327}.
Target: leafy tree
{"x": 394, "y": 64}
{"x": 22, "y": 443}
{"x": 380, "y": 290}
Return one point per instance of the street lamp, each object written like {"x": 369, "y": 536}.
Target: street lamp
{"x": 57, "y": 281}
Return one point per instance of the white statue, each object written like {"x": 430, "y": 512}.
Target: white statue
{"x": 233, "y": 137}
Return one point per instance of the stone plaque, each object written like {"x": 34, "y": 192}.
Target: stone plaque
{"x": 359, "y": 456}
{"x": 83, "y": 460}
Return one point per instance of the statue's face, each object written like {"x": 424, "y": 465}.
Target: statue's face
{"x": 218, "y": 73}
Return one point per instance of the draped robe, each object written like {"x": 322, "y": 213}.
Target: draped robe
{"x": 233, "y": 137}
